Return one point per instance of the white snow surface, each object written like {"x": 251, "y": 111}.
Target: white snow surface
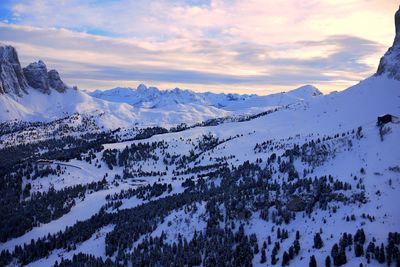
{"x": 37, "y": 106}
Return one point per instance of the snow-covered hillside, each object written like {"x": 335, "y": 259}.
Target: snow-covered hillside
{"x": 37, "y": 106}
{"x": 363, "y": 167}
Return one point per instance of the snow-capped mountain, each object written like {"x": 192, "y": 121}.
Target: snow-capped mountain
{"x": 149, "y": 97}
{"x": 152, "y": 97}
{"x": 35, "y": 94}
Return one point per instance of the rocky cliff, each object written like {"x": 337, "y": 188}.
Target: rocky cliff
{"x": 390, "y": 62}
{"x": 12, "y": 79}
{"x": 16, "y": 81}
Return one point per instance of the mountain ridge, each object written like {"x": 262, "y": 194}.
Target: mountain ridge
{"x": 152, "y": 97}
{"x": 34, "y": 93}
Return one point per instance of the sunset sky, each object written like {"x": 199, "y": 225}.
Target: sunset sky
{"x": 253, "y": 46}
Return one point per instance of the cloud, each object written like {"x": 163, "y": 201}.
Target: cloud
{"x": 241, "y": 44}
{"x": 257, "y": 21}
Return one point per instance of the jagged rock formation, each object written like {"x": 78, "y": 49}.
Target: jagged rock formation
{"x": 390, "y": 62}
{"x": 15, "y": 81}
{"x": 12, "y": 79}
{"x": 37, "y": 77}
{"x": 55, "y": 81}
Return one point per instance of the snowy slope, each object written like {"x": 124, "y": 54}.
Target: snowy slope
{"x": 327, "y": 115}
{"x": 36, "y": 106}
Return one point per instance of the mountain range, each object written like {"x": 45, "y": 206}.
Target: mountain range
{"x": 33, "y": 93}
{"x": 152, "y": 97}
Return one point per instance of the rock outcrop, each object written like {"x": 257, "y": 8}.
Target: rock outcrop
{"x": 12, "y": 79}
{"x": 15, "y": 80}
{"x": 55, "y": 81}
{"x": 390, "y": 62}
{"x": 37, "y": 76}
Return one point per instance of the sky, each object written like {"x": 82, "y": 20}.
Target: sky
{"x": 252, "y": 46}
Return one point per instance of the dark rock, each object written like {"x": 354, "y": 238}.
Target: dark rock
{"x": 390, "y": 62}
{"x": 55, "y": 81}
{"x": 16, "y": 81}
{"x": 12, "y": 80}
{"x": 37, "y": 76}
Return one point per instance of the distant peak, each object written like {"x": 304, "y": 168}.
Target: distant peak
{"x": 305, "y": 91}
{"x": 142, "y": 87}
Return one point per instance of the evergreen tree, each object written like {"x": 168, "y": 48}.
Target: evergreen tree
{"x": 342, "y": 259}
{"x": 291, "y": 252}
{"x": 296, "y": 245}
{"x": 328, "y": 261}
{"x": 313, "y": 262}
{"x": 335, "y": 251}
{"x": 318, "y": 243}
{"x": 381, "y": 257}
{"x": 285, "y": 259}
{"x": 263, "y": 256}
{"x": 358, "y": 250}
{"x": 274, "y": 260}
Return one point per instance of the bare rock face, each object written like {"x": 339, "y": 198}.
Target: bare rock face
{"x": 37, "y": 76}
{"x": 55, "y": 81}
{"x": 390, "y": 62}
{"x": 12, "y": 79}
{"x": 15, "y": 81}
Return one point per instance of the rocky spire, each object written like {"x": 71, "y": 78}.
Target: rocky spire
{"x": 55, "y": 81}
{"x": 12, "y": 79}
{"x": 37, "y": 77}
{"x": 15, "y": 81}
{"x": 390, "y": 62}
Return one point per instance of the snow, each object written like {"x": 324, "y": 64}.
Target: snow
{"x": 81, "y": 211}
{"x": 153, "y": 98}
{"x": 37, "y": 106}
{"x": 182, "y": 222}
{"x": 94, "y": 246}
{"x": 145, "y": 107}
